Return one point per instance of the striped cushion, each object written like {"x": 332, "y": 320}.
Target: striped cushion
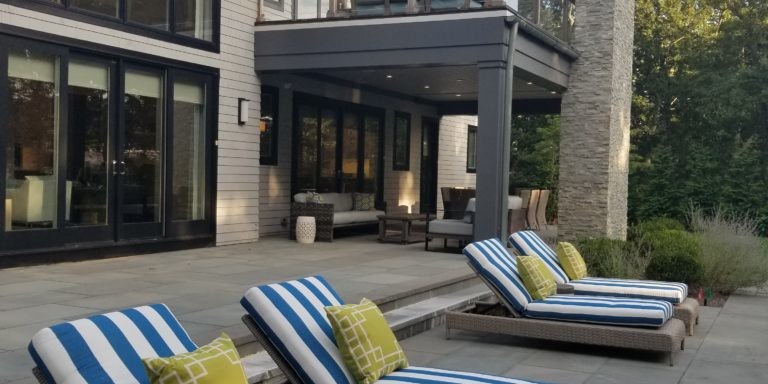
{"x": 412, "y": 375}
{"x": 494, "y": 263}
{"x": 602, "y": 310}
{"x": 292, "y": 315}
{"x": 675, "y": 293}
{"x": 528, "y": 243}
{"x": 109, "y": 347}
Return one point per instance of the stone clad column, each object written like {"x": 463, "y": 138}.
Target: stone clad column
{"x": 594, "y": 138}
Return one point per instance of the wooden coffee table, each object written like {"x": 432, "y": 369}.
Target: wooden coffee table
{"x": 406, "y": 224}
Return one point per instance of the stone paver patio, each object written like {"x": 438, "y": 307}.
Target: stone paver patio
{"x": 203, "y": 288}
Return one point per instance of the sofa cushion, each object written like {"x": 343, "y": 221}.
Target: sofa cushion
{"x": 353, "y": 217}
{"x": 450, "y": 227}
{"x": 514, "y": 202}
{"x": 342, "y": 202}
{"x": 300, "y": 197}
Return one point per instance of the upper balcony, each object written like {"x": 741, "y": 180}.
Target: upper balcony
{"x": 556, "y": 17}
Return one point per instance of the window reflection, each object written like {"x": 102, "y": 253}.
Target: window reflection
{"x": 194, "y": 18}
{"x": 153, "y": 13}
{"x": 106, "y": 7}
{"x": 188, "y": 151}
{"x": 31, "y": 149}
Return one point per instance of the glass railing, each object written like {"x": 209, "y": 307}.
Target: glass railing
{"x": 554, "y": 16}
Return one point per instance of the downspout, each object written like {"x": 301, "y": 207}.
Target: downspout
{"x": 507, "y": 141}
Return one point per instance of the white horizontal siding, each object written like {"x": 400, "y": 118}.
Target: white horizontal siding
{"x": 452, "y": 155}
{"x": 238, "y": 169}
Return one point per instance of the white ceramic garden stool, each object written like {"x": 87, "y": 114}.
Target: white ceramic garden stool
{"x": 305, "y": 229}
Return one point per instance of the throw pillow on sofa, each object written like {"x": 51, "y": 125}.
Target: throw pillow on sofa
{"x": 314, "y": 197}
{"x": 363, "y": 201}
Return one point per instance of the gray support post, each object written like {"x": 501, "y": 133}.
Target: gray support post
{"x": 493, "y": 146}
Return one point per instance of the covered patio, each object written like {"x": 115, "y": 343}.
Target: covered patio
{"x": 483, "y": 63}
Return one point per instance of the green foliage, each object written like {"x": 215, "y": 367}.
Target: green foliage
{"x": 612, "y": 258}
{"x": 732, "y": 256}
{"x": 674, "y": 256}
{"x": 534, "y": 159}
{"x": 644, "y": 228}
{"x": 700, "y": 108}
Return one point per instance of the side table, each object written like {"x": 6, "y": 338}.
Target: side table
{"x": 305, "y": 229}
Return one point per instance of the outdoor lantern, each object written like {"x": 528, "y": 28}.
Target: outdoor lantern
{"x": 242, "y": 111}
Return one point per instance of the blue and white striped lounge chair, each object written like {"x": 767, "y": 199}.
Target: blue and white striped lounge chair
{"x": 530, "y": 244}
{"x": 107, "y": 348}
{"x": 289, "y": 320}
{"x": 612, "y": 321}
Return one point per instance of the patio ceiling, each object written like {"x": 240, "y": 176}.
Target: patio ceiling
{"x": 434, "y": 83}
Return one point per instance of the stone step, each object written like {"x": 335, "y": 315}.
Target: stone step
{"x": 406, "y": 321}
{"x": 246, "y": 344}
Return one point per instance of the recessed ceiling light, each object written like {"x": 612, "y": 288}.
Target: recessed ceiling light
{"x": 553, "y": 92}
{"x": 426, "y": 87}
{"x": 458, "y": 95}
{"x": 460, "y": 80}
{"x": 530, "y": 83}
{"x": 389, "y": 76}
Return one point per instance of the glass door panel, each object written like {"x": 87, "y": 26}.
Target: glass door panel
{"x": 88, "y": 144}
{"x": 188, "y": 183}
{"x": 371, "y": 154}
{"x": 350, "y": 160}
{"x": 328, "y": 143}
{"x": 306, "y": 148}
{"x": 32, "y": 140}
{"x": 142, "y": 161}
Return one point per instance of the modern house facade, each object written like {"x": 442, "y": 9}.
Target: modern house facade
{"x": 132, "y": 125}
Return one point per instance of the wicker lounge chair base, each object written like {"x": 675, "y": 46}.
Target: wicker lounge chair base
{"x": 688, "y": 312}
{"x": 495, "y": 318}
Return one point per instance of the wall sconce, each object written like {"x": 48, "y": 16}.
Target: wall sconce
{"x": 242, "y": 111}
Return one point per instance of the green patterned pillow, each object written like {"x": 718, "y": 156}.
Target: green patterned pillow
{"x": 217, "y": 362}
{"x": 536, "y": 276}
{"x": 363, "y": 201}
{"x": 369, "y": 347}
{"x": 571, "y": 261}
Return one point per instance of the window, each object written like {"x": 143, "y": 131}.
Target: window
{"x": 189, "y": 117}
{"x": 268, "y": 125}
{"x": 278, "y": 5}
{"x": 188, "y": 22}
{"x": 472, "y": 149}
{"x": 401, "y": 142}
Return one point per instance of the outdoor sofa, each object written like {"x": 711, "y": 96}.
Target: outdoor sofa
{"x": 108, "y": 347}
{"x": 607, "y": 321}
{"x": 686, "y": 309}
{"x": 335, "y": 211}
{"x": 289, "y": 320}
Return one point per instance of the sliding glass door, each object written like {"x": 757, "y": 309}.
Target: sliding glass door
{"x": 337, "y": 146}
{"x": 101, "y": 149}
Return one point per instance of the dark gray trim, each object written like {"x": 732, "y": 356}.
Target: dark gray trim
{"x": 405, "y": 165}
{"x": 530, "y": 106}
{"x": 122, "y": 24}
{"x": 471, "y": 130}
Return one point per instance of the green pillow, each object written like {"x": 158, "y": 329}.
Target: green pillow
{"x": 368, "y": 346}
{"x": 363, "y": 201}
{"x": 571, "y": 261}
{"x": 217, "y": 362}
{"x": 536, "y": 276}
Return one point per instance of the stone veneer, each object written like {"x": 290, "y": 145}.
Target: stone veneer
{"x": 594, "y": 149}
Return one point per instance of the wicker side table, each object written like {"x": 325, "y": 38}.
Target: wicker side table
{"x": 305, "y": 229}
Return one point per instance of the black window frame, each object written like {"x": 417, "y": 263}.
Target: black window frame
{"x": 471, "y": 130}
{"x": 14, "y": 243}
{"x": 274, "y": 92}
{"x": 121, "y": 23}
{"x": 406, "y": 164}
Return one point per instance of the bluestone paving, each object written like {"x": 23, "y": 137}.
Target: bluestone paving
{"x": 203, "y": 287}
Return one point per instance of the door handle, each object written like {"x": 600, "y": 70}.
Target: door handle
{"x": 114, "y": 167}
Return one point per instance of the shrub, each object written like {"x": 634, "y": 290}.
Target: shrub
{"x": 674, "y": 256}
{"x": 732, "y": 256}
{"x": 645, "y": 228}
{"x": 612, "y": 258}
